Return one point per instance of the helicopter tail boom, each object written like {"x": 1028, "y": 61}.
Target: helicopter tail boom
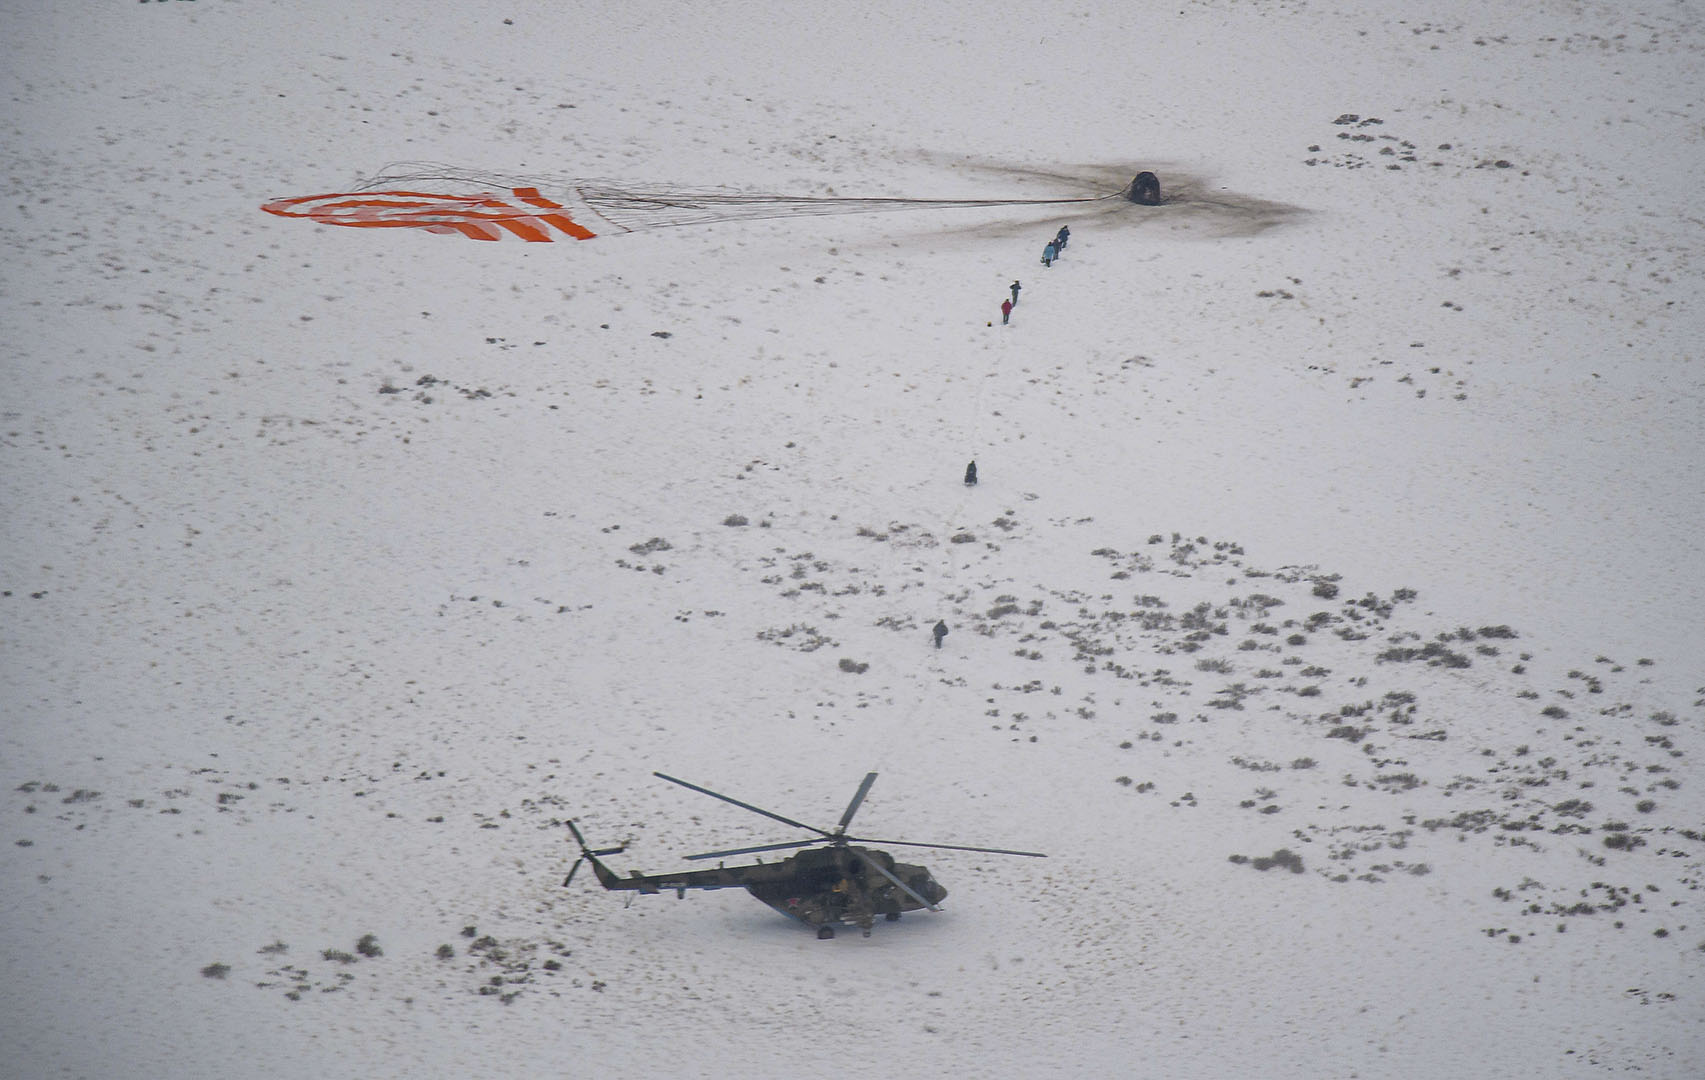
{"x": 656, "y": 883}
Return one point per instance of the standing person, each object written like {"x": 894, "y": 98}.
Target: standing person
{"x": 940, "y": 632}
{"x": 1049, "y": 254}
{"x": 1006, "y": 311}
{"x": 1062, "y": 236}
{"x": 971, "y": 475}
{"x": 1015, "y": 287}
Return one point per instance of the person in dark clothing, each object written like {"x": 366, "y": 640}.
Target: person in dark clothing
{"x": 971, "y": 475}
{"x": 940, "y": 632}
{"x": 1006, "y": 311}
{"x": 1015, "y": 287}
{"x": 1061, "y": 237}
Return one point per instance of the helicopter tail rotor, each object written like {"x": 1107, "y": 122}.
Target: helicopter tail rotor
{"x": 588, "y": 855}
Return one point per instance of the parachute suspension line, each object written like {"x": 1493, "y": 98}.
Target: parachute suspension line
{"x": 636, "y": 209}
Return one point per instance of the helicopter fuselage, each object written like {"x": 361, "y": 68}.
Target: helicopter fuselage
{"x": 818, "y": 887}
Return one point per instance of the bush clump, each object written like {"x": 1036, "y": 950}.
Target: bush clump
{"x": 1283, "y": 857}
{"x": 1435, "y": 654}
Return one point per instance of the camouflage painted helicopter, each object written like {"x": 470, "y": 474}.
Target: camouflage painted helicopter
{"x": 840, "y": 882}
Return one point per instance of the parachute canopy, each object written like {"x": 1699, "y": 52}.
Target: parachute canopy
{"x": 487, "y": 206}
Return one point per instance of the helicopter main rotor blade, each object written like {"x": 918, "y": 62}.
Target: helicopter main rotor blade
{"x": 883, "y": 870}
{"x": 948, "y": 847}
{"x": 857, "y": 800}
{"x": 743, "y": 805}
{"x": 750, "y": 850}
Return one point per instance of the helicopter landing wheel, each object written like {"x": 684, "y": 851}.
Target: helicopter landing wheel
{"x": 824, "y": 933}
{"x": 892, "y": 916}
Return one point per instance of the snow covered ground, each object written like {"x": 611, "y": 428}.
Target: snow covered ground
{"x": 1328, "y": 610}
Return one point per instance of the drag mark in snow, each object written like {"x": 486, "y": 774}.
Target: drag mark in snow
{"x": 481, "y": 216}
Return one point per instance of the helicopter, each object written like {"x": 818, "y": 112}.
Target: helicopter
{"x": 838, "y": 882}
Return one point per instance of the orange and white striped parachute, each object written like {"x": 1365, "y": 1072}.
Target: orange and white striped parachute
{"x": 485, "y": 206}
{"x": 483, "y": 216}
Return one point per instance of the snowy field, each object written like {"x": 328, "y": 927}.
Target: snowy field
{"x": 1328, "y": 611}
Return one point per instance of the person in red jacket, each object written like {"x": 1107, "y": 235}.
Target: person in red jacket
{"x": 1006, "y": 310}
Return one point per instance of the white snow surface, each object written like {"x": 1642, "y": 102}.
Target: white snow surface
{"x": 342, "y": 566}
